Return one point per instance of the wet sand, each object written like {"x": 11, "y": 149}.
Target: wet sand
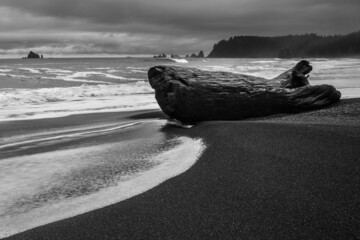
{"x": 281, "y": 177}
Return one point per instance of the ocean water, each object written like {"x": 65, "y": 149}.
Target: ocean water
{"x": 31, "y": 89}
{"x": 55, "y": 171}
{"x": 93, "y": 172}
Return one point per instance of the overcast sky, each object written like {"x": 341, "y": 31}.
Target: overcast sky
{"x": 72, "y": 27}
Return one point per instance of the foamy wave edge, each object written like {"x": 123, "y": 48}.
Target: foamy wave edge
{"x": 188, "y": 152}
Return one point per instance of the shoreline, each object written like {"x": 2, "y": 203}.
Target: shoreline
{"x": 94, "y": 118}
{"x": 50, "y": 173}
{"x": 258, "y": 178}
{"x": 25, "y": 125}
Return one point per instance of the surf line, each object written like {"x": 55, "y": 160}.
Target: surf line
{"x": 69, "y": 135}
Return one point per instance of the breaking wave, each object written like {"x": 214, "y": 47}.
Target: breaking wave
{"x": 37, "y": 96}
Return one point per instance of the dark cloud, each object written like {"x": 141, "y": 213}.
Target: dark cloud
{"x": 188, "y": 24}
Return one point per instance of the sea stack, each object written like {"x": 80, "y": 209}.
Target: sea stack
{"x": 33, "y": 55}
{"x": 200, "y": 55}
{"x": 191, "y": 95}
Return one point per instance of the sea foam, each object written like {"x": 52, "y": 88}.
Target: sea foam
{"x": 55, "y": 102}
{"x": 179, "y": 60}
{"x": 46, "y": 187}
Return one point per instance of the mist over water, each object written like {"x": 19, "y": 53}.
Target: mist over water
{"x": 31, "y": 89}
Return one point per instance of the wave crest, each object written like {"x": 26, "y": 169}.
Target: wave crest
{"x": 41, "y": 95}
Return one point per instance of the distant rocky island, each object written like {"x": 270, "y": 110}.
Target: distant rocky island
{"x": 33, "y": 55}
{"x": 166, "y": 56}
{"x": 161, "y": 56}
{"x": 193, "y": 55}
{"x": 291, "y": 46}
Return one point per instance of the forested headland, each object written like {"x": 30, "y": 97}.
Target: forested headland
{"x": 290, "y": 46}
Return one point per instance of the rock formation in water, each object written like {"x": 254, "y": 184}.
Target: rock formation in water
{"x": 193, "y": 55}
{"x": 201, "y": 54}
{"x": 191, "y": 95}
{"x": 161, "y": 56}
{"x": 33, "y": 55}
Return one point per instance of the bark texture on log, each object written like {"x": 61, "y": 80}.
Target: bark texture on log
{"x": 191, "y": 95}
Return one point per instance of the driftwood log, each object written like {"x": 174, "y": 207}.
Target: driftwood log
{"x": 191, "y": 95}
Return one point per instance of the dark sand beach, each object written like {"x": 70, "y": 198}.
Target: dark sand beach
{"x": 281, "y": 177}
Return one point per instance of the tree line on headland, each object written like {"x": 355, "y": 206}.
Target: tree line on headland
{"x": 290, "y": 46}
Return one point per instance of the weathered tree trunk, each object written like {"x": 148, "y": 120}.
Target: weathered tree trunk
{"x": 192, "y": 95}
